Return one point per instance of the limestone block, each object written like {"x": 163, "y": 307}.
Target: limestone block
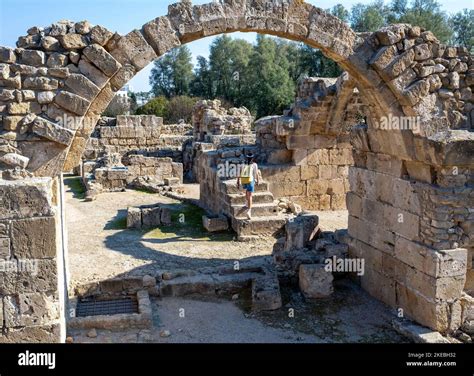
{"x": 19, "y": 108}
{"x": 309, "y": 172}
{"x": 45, "y": 97}
{"x": 328, "y": 172}
{"x": 315, "y": 282}
{"x": 7, "y": 55}
{"x": 102, "y": 59}
{"x": 92, "y": 73}
{"x": 428, "y": 313}
{"x": 449, "y": 263}
{"x": 40, "y": 83}
{"x": 72, "y": 102}
{"x": 82, "y": 86}
{"x": 134, "y": 49}
{"x": 422, "y": 52}
{"x": 14, "y": 160}
{"x": 72, "y": 41}
{"x": 299, "y": 230}
{"x": 50, "y": 43}
{"x": 266, "y": 294}
{"x": 33, "y": 57}
{"x": 100, "y": 35}
{"x": 34, "y": 238}
{"x": 215, "y": 224}
{"x": 38, "y": 275}
{"x": 25, "y": 198}
{"x": 318, "y": 157}
{"x": 318, "y": 186}
{"x": 134, "y": 218}
{"x": 419, "y": 171}
{"x": 7, "y": 95}
{"x": 166, "y": 216}
{"x": 161, "y": 35}
{"x": 52, "y": 131}
{"x": 151, "y": 217}
{"x": 30, "y": 309}
{"x": 4, "y": 248}
{"x": 57, "y": 60}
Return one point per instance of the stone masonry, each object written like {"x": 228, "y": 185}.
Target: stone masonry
{"x": 411, "y": 188}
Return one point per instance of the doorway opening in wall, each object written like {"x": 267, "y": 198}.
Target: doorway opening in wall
{"x": 155, "y": 206}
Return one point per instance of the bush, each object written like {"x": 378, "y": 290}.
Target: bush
{"x": 157, "y": 106}
{"x": 180, "y": 108}
{"x": 171, "y": 110}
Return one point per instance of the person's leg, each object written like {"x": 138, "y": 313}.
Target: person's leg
{"x": 249, "y": 201}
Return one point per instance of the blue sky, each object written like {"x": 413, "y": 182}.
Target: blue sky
{"x": 124, "y": 16}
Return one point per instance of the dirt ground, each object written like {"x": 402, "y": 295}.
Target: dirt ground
{"x": 348, "y": 316}
{"x": 100, "y": 247}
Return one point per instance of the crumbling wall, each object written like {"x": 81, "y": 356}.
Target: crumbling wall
{"x": 210, "y": 118}
{"x": 145, "y": 134}
{"x": 307, "y": 151}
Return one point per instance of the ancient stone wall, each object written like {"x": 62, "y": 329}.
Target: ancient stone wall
{"x": 145, "y": 134}
{"x": 32, "y": 302}
{"x": 312, "y": 169}
{"x": 211, "y": 119}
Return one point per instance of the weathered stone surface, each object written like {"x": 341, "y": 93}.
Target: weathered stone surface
{"x": 72, "y": 102}
{"x": 34, "y": 238}
{"x": 52, "y": 131}
{"x": 7, "y": 55}
{"x": 45, "y": 97}
{"x": 161, "y": 35}
{"x": 14, "y": 160}
{"x": 32, "y": 57}
{"x": 215, "y": 224}
{"x": 82, "y": 86}
{"x": 92, "y": 73}
{"x": 57, "y": 60}
{"x": 134, "y": 49}
{"x": 82, "y": 27}
{"x": 72, "y": 41}
{"x": 100, "y": 35}
{"x": 134, "y": 218}
{"x": 315, "y": 281}
{"x": 50, "y": 43}
{"x": 102, "y": 59}
{"x": 40, "y": 83}
{"x": 266, "y": 294}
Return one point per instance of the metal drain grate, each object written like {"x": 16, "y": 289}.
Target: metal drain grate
{"x": 106, "y": 307}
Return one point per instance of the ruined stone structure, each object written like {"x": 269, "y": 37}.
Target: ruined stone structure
{"x": 411, "y": 189}
{"x": 124, "y": 149}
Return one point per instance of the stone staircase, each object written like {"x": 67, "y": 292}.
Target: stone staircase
{"x": 230, "y": 201}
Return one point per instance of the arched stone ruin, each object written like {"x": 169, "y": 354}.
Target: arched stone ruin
{"x": 411, "y": 197}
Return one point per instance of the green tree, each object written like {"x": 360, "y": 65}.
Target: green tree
{"x": 173, "y": 73}
{"x": 157, "y": 106}
{"x": 463, "y": 27}
{"x": 228, "y": 61}
{"x": 368, "y": 17}
{"x": 428, "y": 14}
{"x": 202, "y": 82}
{"x": 270, "y": 88}
{"x": 340, "y": 12}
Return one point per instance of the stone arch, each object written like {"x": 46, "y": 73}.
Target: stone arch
{"x": 74, "y": 70}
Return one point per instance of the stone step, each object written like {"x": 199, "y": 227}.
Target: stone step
{"x": 258, "y": 210}
{"x": 258, "y": 226}
{"x": 230, "y": 186}
{"x": 258, "y": 198}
